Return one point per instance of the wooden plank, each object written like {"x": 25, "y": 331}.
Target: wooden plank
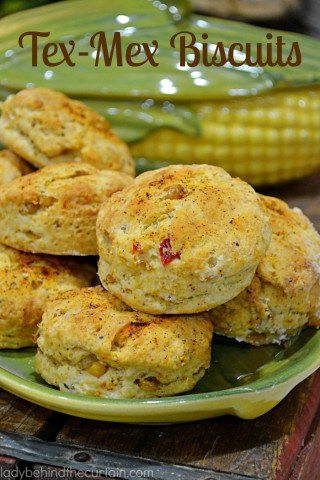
{"x": 95, "y": 460}
{"x": 299, "y": 432}
{"x": 307, "y": 466}
{"x": 17, "y": 415}
{"x": 255, "y": 448}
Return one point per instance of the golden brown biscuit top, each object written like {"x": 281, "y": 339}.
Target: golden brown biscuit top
{"x": 33, "y": 268}
{"x": 45, "y": 126}
{"x": 72, "y": 183}
{"x": 292, "y": 260}
{"x": 190, "y": 212}
{"x": 53, "y": 103}
{"x": 91, "y": 320}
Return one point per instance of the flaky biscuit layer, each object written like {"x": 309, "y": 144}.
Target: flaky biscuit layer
{"x": 44, "y": 127}
{"x": 284, "y": 295}
{"x": 12, "y": 166}
{"x": 26, "y": 283}
{"x": 93, "y": 344}
{"x": 54, "y": 209}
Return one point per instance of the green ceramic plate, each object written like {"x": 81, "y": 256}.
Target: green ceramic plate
{"x": 243, "y": 380}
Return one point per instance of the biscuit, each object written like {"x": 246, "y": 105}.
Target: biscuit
{"x": 284, "y": 295}
{"x": 93, "y": 344}
{"x": 45, "y": 127}
{"x": 182, "y": 239}
{"x": 26, "y": 283}
{"x": 54, "y": 209}
{"x": 12, "y": 166}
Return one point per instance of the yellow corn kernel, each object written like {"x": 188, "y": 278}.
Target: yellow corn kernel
{"x": 264, "y": 139}
{"x": 97, "y": 369}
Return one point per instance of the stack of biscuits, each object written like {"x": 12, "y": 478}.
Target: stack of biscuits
{"x": 62, "y": 161}
{"x": 182, "y": 251}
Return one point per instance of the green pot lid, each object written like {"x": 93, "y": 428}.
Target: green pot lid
{"x": 144, "y": 21}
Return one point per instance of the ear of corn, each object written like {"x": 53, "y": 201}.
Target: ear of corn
{"x": 258, "y": 123}
{"x": 265, "y": 140}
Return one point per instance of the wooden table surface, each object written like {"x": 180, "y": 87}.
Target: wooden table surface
{"x": 283, "y": 444}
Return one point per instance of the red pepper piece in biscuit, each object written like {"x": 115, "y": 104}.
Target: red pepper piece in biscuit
{"x": 166, "y": 254}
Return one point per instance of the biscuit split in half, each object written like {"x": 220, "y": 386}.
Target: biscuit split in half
{"x": 93, "y": 344}
{"x": 284, "y": 295}
{"x": 26, "y": 283}
{"x": 44, "y": 127}
{"x": 181, "y": 239}
{"x": 54, "y": 209}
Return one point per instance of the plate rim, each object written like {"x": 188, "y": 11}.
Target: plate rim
{"x": 79, "y": 405}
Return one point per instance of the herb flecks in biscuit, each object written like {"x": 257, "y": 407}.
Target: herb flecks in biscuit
{"x": 181, "y": 239}
{"x": 26, "y": 283}
{"x": 54, "y": 209}
{"x": 91, "y": 343}
{"x": 45, "y": 127}
{"x": 284, "y": 295}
